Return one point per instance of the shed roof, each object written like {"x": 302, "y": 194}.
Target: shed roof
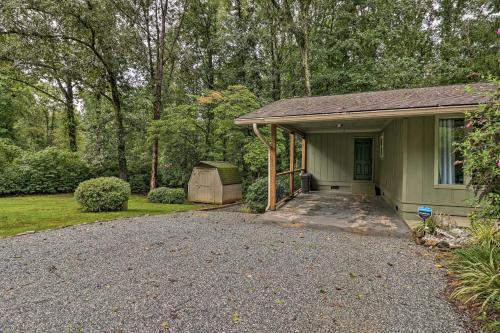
{"x": 228, "y": 173}
{"x": 428, "y": 97}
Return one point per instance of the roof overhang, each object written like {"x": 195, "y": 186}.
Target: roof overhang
{"x": 373, "y": 114}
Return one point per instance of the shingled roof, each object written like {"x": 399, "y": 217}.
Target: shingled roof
{"x": 228, "y": 173}
{"x": 401, "y": 99}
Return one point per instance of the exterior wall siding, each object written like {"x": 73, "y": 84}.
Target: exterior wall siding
{"x": 419, "y": 186}
{"x": 330, "y": 159}
{"x": 391, "y": 166}
{"x": 405, "y": 175}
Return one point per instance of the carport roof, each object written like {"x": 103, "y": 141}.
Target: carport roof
{"x": 460, "y": 95}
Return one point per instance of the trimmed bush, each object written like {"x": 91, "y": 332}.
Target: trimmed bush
{"x": 256, "y": 195}
{"x": 103, "y": 194}
{"x": 9, "y": 181}
{"x": 47, "y": 171}
{"x": 139, "y": 183}
{"x": 167, "y": 195}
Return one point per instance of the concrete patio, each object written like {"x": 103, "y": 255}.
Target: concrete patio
{"x": 360, "y": 214}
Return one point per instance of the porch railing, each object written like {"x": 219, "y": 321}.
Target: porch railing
{"x": 293, "y": 185}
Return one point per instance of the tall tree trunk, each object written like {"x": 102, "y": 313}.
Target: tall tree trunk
{"x": 70, "y": 115}
{"x": 49, "y": 122}
{"x": 153, "y": 183}
{"x": 276, "y": 68}
{"x": 304, "y": 54}
{"x": 157, "y": 109}
{"x": 157, "y": 72}
{"x": 119, "y": 129}
{"x": 210, "y": 69}
{"x": 242, "y": 52}
{"x": 69, "y": 101}
{"x": 158, "y": 88}
{"x": 300, "y": 30}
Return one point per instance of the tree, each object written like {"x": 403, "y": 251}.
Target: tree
{"x": 89, "y": 27}
{"x": 160, "y": 26}
{"x": 204, "y": 129}
{"x": 481, "y": 155}
{"x": 48, "y": 71}
{"x": 297, "y": 17}
{"x": 102, "y": 44}
{"x": 7, "y": 112}
{"x": 98, "y": 74}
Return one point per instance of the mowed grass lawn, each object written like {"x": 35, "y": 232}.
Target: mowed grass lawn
{"x": 40, "y": 212}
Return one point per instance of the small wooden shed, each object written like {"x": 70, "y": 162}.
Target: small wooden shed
{"x": 215, "y": 182}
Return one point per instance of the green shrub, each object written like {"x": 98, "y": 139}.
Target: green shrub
{"x": 8, "y": 152}
{"x": 490, "y": 326}
{"x": 139, "y": 183}
{"x": 427, "y": 227}
{"x": 256, "y": 194}
{"x": 478, "y": 271}
{"x": 9, "y": 181}
{"x": 478, "y": 266}
{"x": 103, "y": 194}
{"x": 47, "y": 171}
{"x": 167, "y": 195}
{"x": 481, "y": 155}
{"x": 484, "y": 232}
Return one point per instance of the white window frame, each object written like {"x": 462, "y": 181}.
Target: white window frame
{"x": 436, "y": 155}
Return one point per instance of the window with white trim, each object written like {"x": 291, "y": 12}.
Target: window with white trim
{"x": 450, "y": 166}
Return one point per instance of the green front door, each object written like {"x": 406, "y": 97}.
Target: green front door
{"x": 363, "y": 159}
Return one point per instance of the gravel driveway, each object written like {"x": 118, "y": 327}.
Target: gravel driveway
{"x": 217, "y": 272}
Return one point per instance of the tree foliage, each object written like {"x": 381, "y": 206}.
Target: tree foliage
{"x": 481, "y": 153}
{"x": 46, "y": 171}
{"x": 126, "y": 83}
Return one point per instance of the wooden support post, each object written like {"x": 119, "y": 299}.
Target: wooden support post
{"x": 304, "y": 155}
{"x": 292, "y": 164}
{"x": 272, "y": 170}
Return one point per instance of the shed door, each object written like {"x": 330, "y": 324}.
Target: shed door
{"x": 363, "y": 159}
{"x": 205, "y": 186}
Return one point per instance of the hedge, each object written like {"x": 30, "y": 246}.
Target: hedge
{"x": 139, "y": 183}
{"x": 103, "y": 194}
{"x": 256, "y": 194}
{"x": 47, "y": 171}
{"x": 8, "y": 152}
{"x": 167, "y": 195}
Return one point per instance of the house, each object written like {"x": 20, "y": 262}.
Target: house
{"x": 398, "y": 144}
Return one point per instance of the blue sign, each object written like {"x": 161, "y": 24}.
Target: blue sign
{"x": 424, "y": 212}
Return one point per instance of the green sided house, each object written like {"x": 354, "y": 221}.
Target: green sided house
{"x": 397, "y": 144}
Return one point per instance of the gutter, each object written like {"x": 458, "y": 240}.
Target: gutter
{"x": 263, "y": 139}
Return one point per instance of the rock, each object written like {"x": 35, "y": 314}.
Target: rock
{"x": 443, "y": 233}
{"x": 418, "y": 233}
{"x": 456, "y": 245}
{"x": 443, "y": 244}
{"x": 458, "y": 232}
{"x": 445, "y": 239}
{"x": 430, "y": 240}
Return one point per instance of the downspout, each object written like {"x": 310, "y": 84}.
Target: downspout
{"x": 263, "y": 139}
